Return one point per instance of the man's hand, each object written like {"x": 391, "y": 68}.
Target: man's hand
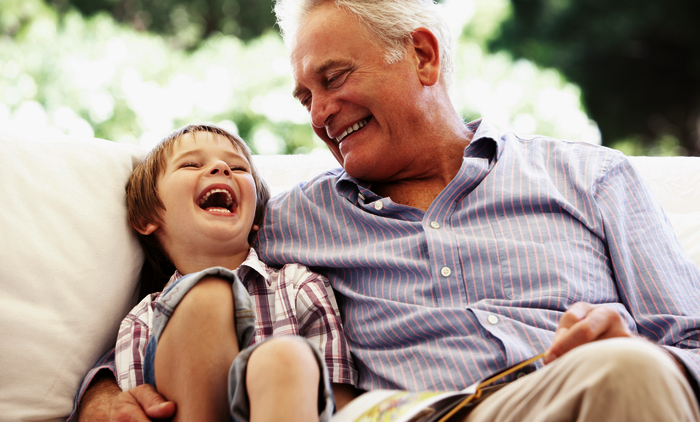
{"x": 584, "y": 323}
{"x": 104, "y": 402}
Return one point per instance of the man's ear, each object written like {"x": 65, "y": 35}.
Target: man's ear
{"x": 150, "y": 228}
{"x": 427, "y": 53}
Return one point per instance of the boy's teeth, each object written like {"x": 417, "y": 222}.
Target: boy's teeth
{"x": 351, "y": 129}
{"x": 229, "y": 200}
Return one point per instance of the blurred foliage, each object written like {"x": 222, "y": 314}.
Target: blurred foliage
{"x": 637, "y": 63}
{"x": 185, "y": 22}
{"x": 94, "y": 76}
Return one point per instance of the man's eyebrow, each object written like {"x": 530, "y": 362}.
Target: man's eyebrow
{"x": 321, "y": 69}
{"x": 330, "y": 63}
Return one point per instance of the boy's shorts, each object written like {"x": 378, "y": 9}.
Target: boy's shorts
{"x": 245, "y": 328}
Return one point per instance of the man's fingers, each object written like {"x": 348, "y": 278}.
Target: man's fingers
{"x": 584, "y": 324}
{"x": 152, "y": 403}
{"x": 574, "y": 314}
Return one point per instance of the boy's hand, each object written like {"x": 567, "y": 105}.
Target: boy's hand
{"x": 104, "y": 402}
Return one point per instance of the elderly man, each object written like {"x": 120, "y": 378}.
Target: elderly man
{"x": 457, "y": 251}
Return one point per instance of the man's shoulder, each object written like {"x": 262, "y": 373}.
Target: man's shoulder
{"x": 564, "y": 152}
{"x": 324, "y": 183}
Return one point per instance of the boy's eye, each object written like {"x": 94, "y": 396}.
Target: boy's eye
{"x": 239, "y": 168}
{"x": 189, "y": 165}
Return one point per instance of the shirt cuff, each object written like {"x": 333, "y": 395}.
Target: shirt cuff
{"x": 106, "y": 363}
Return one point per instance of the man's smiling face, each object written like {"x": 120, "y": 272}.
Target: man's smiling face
{"x": 360, "y": 106}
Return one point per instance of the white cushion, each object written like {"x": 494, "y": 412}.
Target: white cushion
{"x": 676, "y": 183}
{"x": 69, "y": 266}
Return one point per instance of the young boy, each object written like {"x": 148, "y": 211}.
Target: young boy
{"x": 196, "y": 201}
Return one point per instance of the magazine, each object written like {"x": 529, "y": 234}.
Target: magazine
{"x": 407, "y": 406}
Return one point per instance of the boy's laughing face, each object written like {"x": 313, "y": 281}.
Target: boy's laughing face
{"x": 209, "y": 197}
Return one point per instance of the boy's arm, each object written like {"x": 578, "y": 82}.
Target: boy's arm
{"x": 344, "y": 394}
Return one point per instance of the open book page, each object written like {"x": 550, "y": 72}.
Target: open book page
{"x": 400, "y": 406}
{"x": 406, "y": 406}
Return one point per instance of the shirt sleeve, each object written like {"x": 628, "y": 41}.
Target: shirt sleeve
{"x": 658, "y": 283}
{"x": 125, "y": 361}
{"x": 106, "y": 363}
{"x": 134, "y": 332}
{"x": 319, "y": 322}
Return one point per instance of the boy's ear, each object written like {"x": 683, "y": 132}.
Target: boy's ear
{"x": 254, "y": 228}
{"x": 150, "y": 228}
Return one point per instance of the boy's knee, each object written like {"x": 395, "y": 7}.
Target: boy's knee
{"x": 289, "y": 352}
{"x": 208, "y": 291}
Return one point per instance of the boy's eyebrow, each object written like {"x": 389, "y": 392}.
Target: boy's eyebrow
{"x": 198, "y": 152}
{"x": 321, "y": 69}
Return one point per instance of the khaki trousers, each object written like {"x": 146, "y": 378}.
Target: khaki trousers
{"x": 610, "y": 380}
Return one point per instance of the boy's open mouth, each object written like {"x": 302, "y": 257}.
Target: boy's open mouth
{"x": 218, "y": 200}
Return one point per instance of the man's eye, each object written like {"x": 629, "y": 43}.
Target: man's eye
{"x": 335, "y": 81}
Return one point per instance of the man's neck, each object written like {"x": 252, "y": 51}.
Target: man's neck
{"x": 420, "y": 192}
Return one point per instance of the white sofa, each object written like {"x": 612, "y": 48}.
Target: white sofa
{"x": 69, "y": 263}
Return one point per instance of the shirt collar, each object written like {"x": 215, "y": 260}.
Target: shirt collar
{"x": 249, "y": 269}
{"x": 252, "y": 267}
{"x": 485, "y": 134}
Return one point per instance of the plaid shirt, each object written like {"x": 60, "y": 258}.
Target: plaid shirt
{"x": 292, "y": 300}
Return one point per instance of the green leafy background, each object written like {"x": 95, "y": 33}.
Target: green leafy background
{"x": 624, "y": 74}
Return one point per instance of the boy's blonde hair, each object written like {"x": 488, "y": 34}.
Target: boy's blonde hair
{"x": 144, "y": 206}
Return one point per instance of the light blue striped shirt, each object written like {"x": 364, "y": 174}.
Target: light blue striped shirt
{"x": 437, "y": 300}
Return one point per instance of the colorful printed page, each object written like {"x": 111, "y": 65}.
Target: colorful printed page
{"x": 405, "y": 406}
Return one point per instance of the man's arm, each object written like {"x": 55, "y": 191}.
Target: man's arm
{"x": 584, "y": 323}
{"x": 655, "y": 280}
{"x": 104, "y": 401}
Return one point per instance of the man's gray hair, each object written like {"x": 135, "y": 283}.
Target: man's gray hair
{"x": 391, "y": 21}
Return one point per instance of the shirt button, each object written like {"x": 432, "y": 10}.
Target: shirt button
{"x": 445, "y": 271}
{"x": 492, "y": 319}
{"x": 435, "y": 225}
{"x": 522, "y": 374}
{"x": 361, "y": 196}
{"x": 378, "y": 205}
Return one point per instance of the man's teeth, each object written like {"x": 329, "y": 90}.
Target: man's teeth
{"x": 351, "y": 129}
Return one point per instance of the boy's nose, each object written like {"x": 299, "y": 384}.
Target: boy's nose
{"x": 220, "y": 167}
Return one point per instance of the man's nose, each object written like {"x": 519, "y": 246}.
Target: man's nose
{"x": 220, "y": 167}
{"x": 323, "y": 107}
